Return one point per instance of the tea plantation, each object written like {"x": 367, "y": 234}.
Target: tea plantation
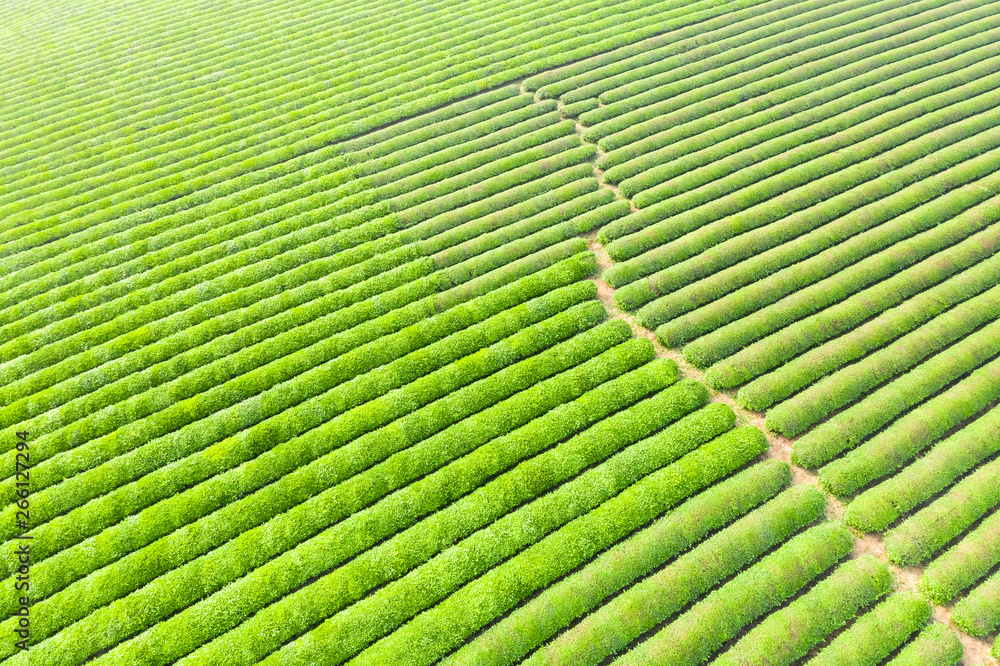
{"x": 500, "y": 332}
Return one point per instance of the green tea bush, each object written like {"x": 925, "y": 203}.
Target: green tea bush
{"x": 937, "y": 645}
{"x": 534, "y": 213}
{"x": 303, "y": 309}
{"x": 926, "y": 532}
{"x": 197, "y": 301}
{"x": 748, "y": 37}
{"x": 258, "y": 551}
{"x": 878, "y": 332}
{"x": 664, "y": 115}
{"x": 545, "y": 160}
{"x": 292, "y": 198}
{"x": 692, "y": 283}
{"x": 697, "y": 19}
{"x": 655, "y": 599}
{"x": 348, "y": 111}
{"x": 722, "y": 615}
{"x": 866, "y": 138}
{"x": 197, "y": 251}
{"x": 789, "y": 633}
{"x": 452, "y": 176}
{"x": 797, "y": 201}
{"x": 407, "y": 550}
{"x": 575, "y": 109}
{"x": 905, "y": 439}
{"x": 903, "y": 359}
{"x": 784, "y": 330}
{"x": 978, "y": 613}
{"x": 929, "y": 227}
{"x": 554, "y": 554}
{"x": 964, "y": 563}
{"x": 878, "y": 508}
{"x": 303, "y": 460}
{"x": 469, "y": 608}
{"x": 445, "y": 120}
{"x": 875, "y": 635}
{"x": 471, "y": 219}
{"x": 556, "y": 607}
{"x": 911, "y": 72}
{"x": 496, "y": 311}
{"x": 309, "y": 485}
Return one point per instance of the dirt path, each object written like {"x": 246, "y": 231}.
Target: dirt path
{"x": 906, "y": 578}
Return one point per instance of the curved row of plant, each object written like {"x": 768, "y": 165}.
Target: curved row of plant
{"x": 392, "y": 97}
{"x": 304, "y": 529}
{"x": 542, "y": 290}
{"x": 462, "y": 472}
{"x": 203, "y": 509}
{"x": 702, "y": 302}
{"x": 566, "y": 602}
{"x": 794, "y": 202}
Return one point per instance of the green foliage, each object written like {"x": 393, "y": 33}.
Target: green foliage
{"x": 736, "y": 226}
{"x": 878, "y": 508}
{"x": 911, "y": 72}
{"x": 446, "y": 626}
{"x": 581, "y": 265}
{"x": 200, "y": 249}
{"x": 558, "y": 225}
{"x": 965, "y": 563}
{"x": 721, "y": 616}
{"x": 926, "y": 532}
{"x": 314, "y": 374}
{"x": 534, "y": 253}
{"x": 306, "y": 204}
{"x": 875, "y": 635}
{"x": 258, "y": 551}
{"x": 274, "y": 128}
{"x": 534, "y": 213}
{"x": 904, "y": 359}
{"x": 536, "y": 373}
{"x": 978, "y": 613}
{"x": 464, "y": 222}
{"x": 575, "y": 109}
{"x": 468, "y": 495}
{"x": 805, "y": 319}
{"x": 145, "y": 322}
{"x": 451, "y": 177}
{"x": 448, "y": 336}
{"x": 937, "y": 645}
{"x": 436, "y": 180}
{"x": 494, "y": 178}
{"x": 657, "y": 598}
{"x": 744, "y": 32}
{"x": 528, "y": 626}
{"x": 755, "y": 283}
{"x": 288, "y": 382}
{"x": 122, "y": 236}
{"x": 693, "y": 19}
{"x": 285, "y": 102}
{"x": 906, "y": 438}
{"x": 428, "y": 126}
{"x": 866, "y": 137}
{"x": 671, "y": 112}
{"x": 478, "y": 132}
{"x": 788, "y": 634}
{"x": 196, "y": 358}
